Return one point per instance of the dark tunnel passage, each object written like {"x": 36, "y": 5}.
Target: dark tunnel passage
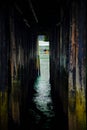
{"x": 43, "y": 84}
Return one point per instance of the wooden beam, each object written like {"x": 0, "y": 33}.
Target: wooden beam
{"x": 32, "y": 9}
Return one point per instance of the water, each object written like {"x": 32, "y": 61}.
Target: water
{"x": 43, "y": 98}
{"x": 41, "y": 110}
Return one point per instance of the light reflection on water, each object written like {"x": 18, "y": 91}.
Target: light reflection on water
{"x": 42, "y": 97}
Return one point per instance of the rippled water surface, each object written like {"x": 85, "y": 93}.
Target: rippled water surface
{"x": 42, "y": 108}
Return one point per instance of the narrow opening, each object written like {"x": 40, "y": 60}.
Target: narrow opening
{"x": 43, "y": 51}
{"x": 42, "y": 98}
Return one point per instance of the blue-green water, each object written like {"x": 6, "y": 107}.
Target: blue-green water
{"x": 42, "y": 111}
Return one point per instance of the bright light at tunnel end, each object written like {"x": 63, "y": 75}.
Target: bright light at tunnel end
{"x": 43, "y": 43}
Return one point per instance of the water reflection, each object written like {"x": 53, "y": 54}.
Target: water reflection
{"x": 42, "y": 98}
